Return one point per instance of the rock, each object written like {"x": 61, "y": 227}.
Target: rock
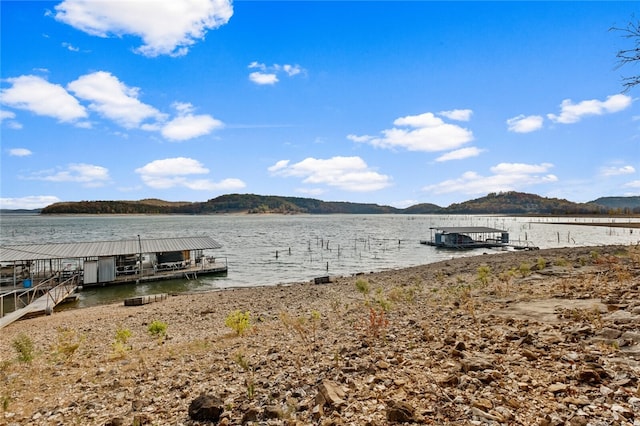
{"x": 579, "y": 401}
{"x": 116, "y": 421}
{"x": 531, "y": 356}
{"x": 206, "y": 407}
{"x": 609, "y": 333}
{"x": 483, "y": 404}
{"x": 483, "y": 414}
{"x": 273, "y": 412}
{"x": 476, "y": 363}
{"x": 383, "y": 365}
{"x": 250, "y": 415}
{"x": 400, "y": 412}
{"x": 330, "y": 394}
{"x": 557, "y": 387}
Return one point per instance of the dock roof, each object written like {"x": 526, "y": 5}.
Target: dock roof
{"x": 24, "y": 252}
{"x": 466, "y": 229}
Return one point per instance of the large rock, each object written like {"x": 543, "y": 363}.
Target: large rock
{"x": 206, "y": 407}
{"x": 330, "y": 394}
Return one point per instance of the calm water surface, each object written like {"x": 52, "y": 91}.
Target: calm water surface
{"x": 273, "y": 249}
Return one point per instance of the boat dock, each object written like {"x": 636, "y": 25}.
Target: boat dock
{"x": 472, "y": 237}
{"x": 34, "y": 278}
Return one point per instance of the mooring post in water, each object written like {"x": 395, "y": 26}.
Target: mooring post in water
{"x": 289, "y": 251}
{"x": 327, "y": 266}
{"x": 276, "y": 254}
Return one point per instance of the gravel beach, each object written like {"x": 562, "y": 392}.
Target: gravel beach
{"x": 549, "y": 337}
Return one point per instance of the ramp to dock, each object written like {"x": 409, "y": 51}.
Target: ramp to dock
{"x": 43, "y": 304}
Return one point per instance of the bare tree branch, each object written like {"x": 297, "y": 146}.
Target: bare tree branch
{"x": 631, "y": 55}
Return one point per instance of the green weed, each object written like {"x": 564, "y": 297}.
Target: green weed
{"x": 239, "y": 322}
{"x": 157, "y": 329}
{"x": 68, "y": 342}
{"x": 24, "y": 346}
{"x": 484, "y": 274}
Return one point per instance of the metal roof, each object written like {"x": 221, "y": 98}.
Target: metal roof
{"x": 103, "y": 248}
{"x": 466, "y": 229}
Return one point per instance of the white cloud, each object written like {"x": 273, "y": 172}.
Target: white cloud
{"x": 187, "y": 125}
{"x": 113, "y": 99}
{"x": 174, "y": 172}
{"x": 460, "y": 154}
{"x": 616, "y": 171}
{"x": 522, "y": 124}
{"x": 346, "y": 173}
{"x": 506, "y": 177}
{"x": 88, "y": 175}
{"x": 7, "y": 117}
{"x": 31, "y": 202}
{"x": 292, "y": 70}
{"x": 19, "y": 152}
{"x": 37, "y": 95}
{"x": 424, "y": 132}
{"x": 457, "y": 114}
{"x": 70, "y": 47}
{"x": 262, "y": 78}
{"x": 269, "y": 74}
{"x": 633, "y": 184}
{"x": 166, "y": 27}
{"x": 282, "y": 164}
{"x": 572, "y": 113}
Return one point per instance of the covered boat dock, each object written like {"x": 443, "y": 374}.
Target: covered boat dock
{"x": 471, "y": 237}
{"x": 32, "y": 272}
{"x": 110, "y": 262}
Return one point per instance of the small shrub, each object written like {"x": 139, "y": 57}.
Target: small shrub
{"x": 403, "y": 294}
{"x": 120, "y": 347}
{"x": 381, "y": 300}
{"x": 525, "y": 269}
{"x": 541, "y": 264}
{"x": 238, "y": 321}
{"x": 363, "y": 286}
{"x": 377, "y": 323}
{"x": 157, "y": 329}
{"x": 24, "y": 346}
{"x": 68, "y": 342}
{"x": 244, "y": 364}
{"x": 303, "y": 327}
{"x": 484, "y": 273}
{"x": 123, "y": 335}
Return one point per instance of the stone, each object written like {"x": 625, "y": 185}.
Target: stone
{"x": 609, "y": 333}
{"x": 557, "y": 387}
{"x": 250, "y": 415}
{"x": 483, "y": 404}
{"x": 206, "y": 407}
{"x": 400, "y": 412}
{"x": 330, "y": 394}
{"x": 273, "y": 412}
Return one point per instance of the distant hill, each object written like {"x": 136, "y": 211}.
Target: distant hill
{"x": 424, "y": 208}
{"x": 231, "y": 203}
{"x": 625, "y": 204}
{"x": 494, "y": 203}
{"x": 521, "y": 203}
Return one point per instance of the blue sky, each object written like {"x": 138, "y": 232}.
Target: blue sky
{"x": 395, "y": 103}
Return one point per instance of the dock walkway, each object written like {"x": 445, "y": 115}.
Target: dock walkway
{"x": 43, "y": 304}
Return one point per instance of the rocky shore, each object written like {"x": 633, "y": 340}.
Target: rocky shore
{"x": 549, "y": 337}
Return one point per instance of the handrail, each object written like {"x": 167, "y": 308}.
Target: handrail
{"x": 31, "y": 292}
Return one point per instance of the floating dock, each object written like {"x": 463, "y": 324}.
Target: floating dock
{"x": 37, "y": 277}
{"x": 472, "y": 237}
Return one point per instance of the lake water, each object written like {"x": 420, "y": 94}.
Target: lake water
{"x": 273, "y": 249}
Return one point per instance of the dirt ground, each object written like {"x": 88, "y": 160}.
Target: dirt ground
{"x": 549, "y": 337}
